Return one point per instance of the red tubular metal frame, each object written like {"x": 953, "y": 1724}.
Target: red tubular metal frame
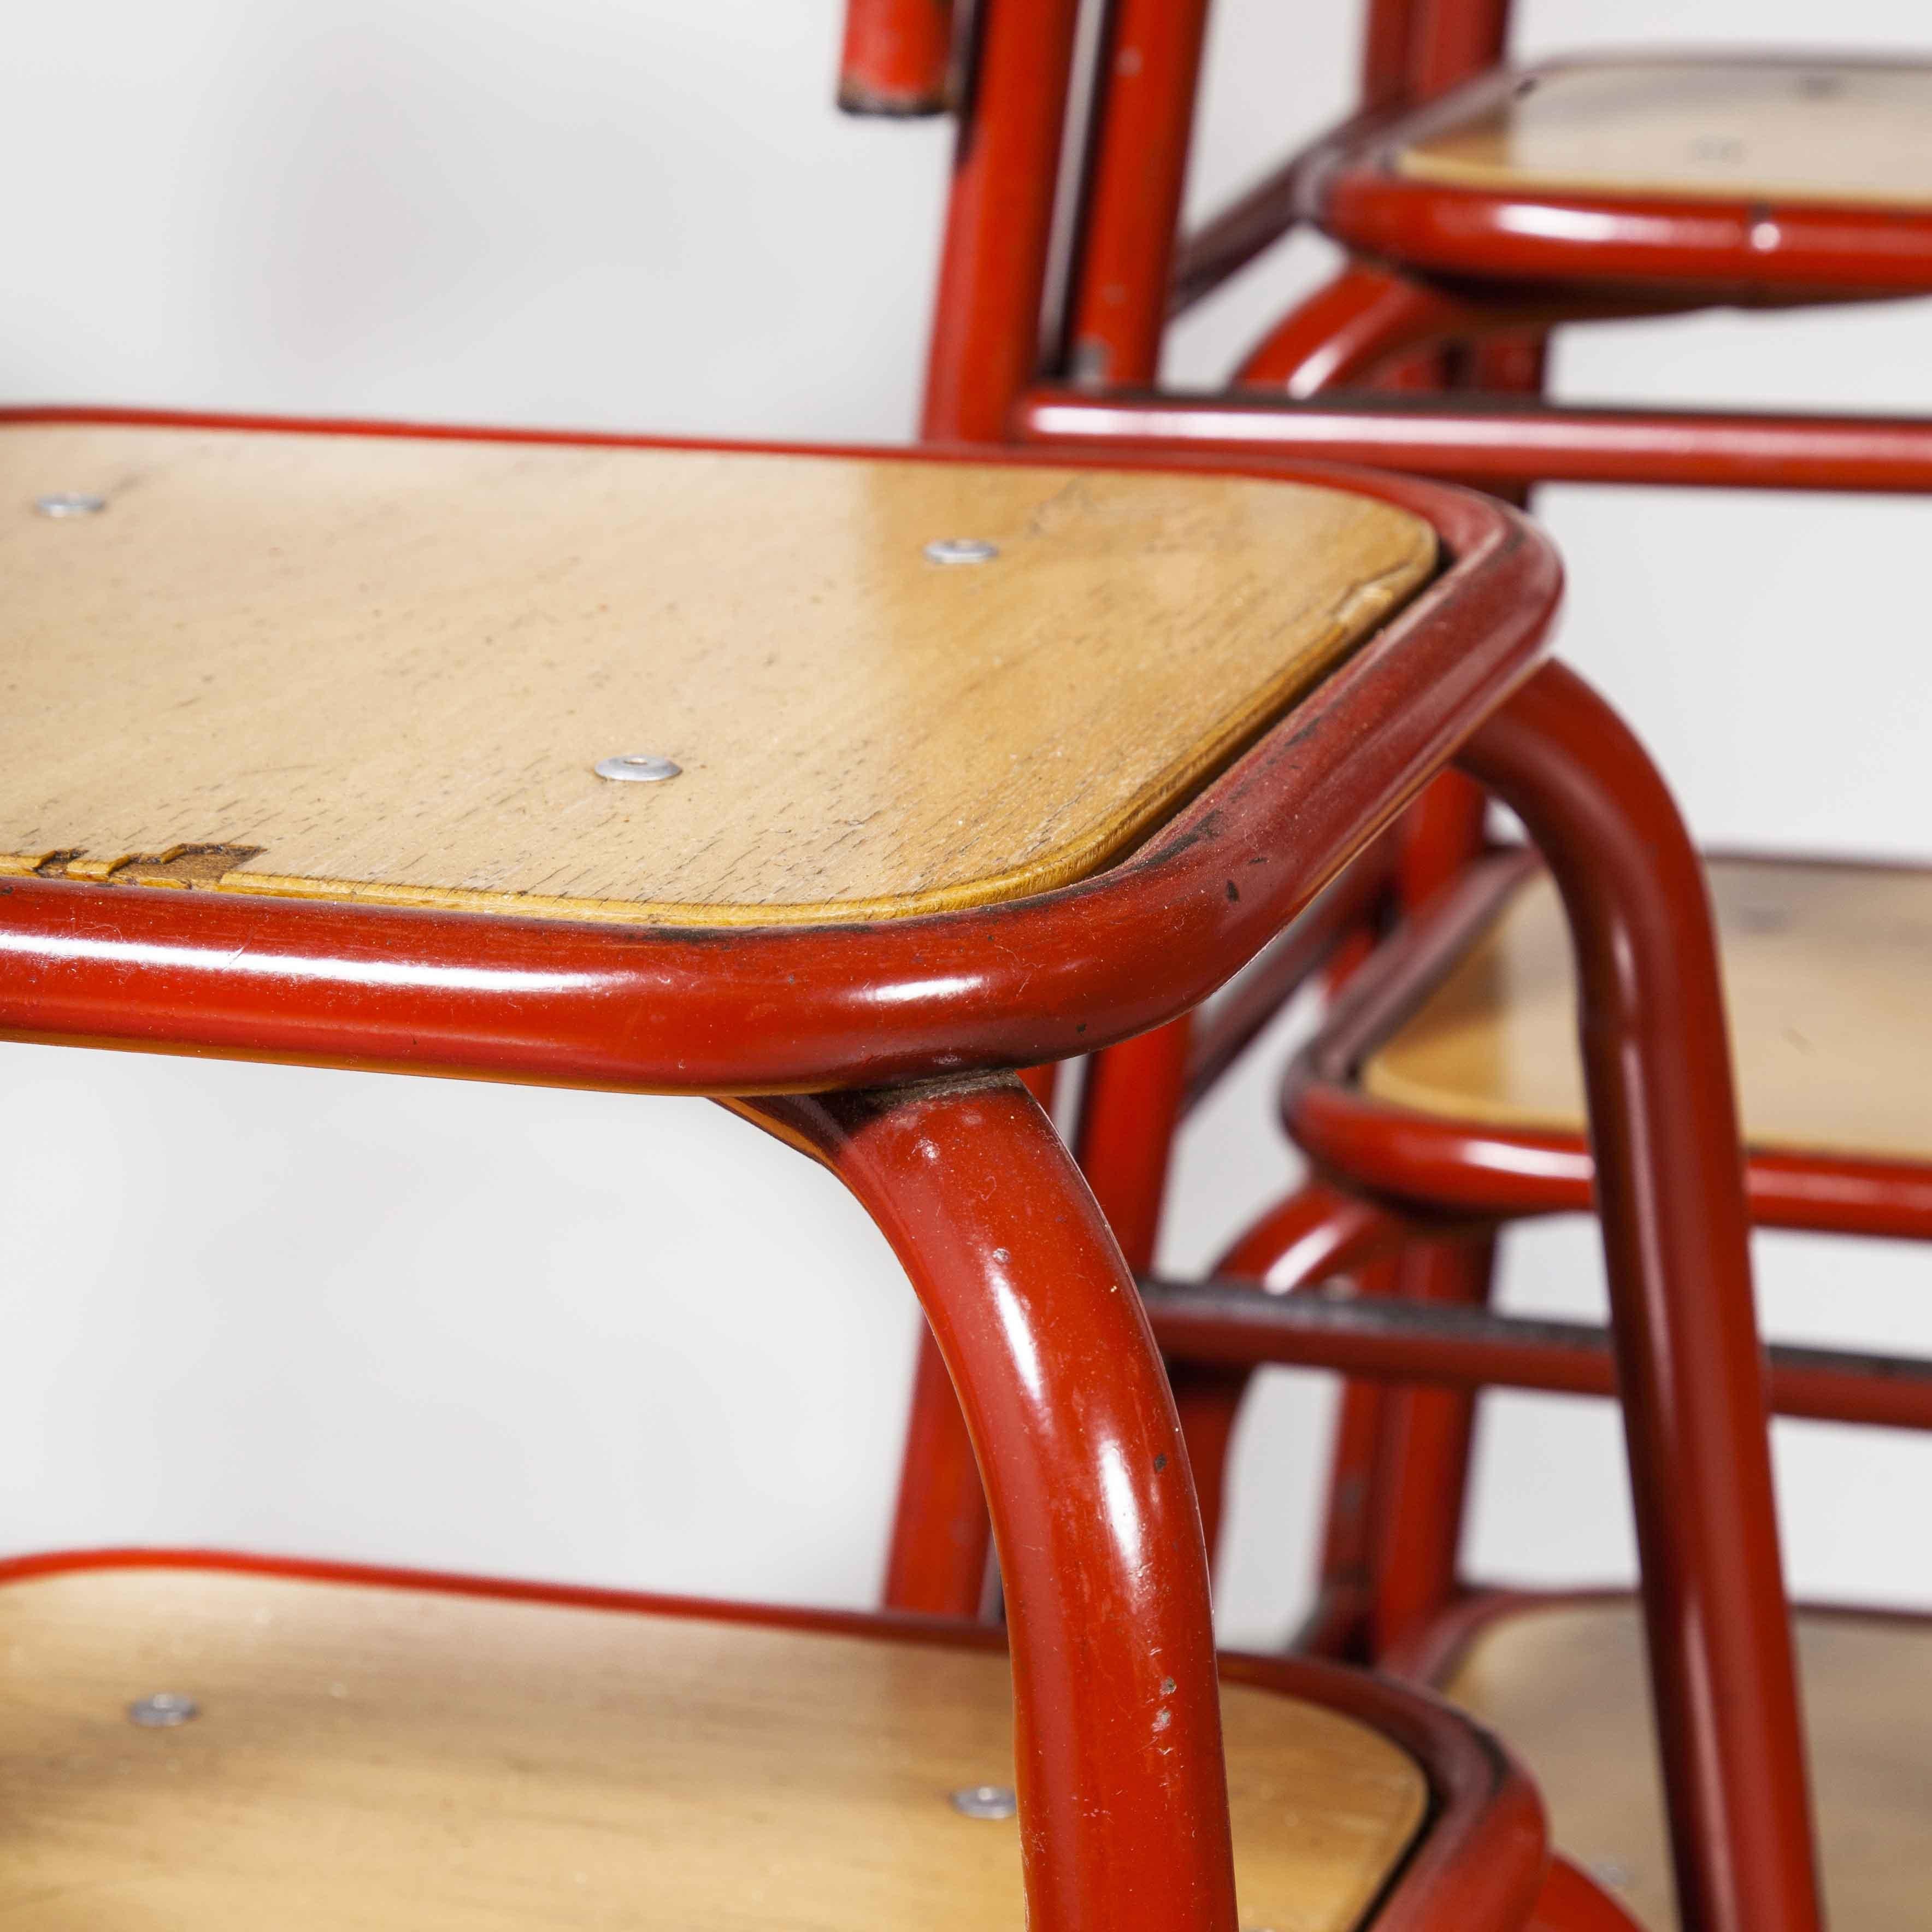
{"x": 1504, "y": 442}
{"x": 1144, "y": 115}
{"x": 1671, "y": 1205}
{"x": 897, "y": 57}
{"x": 1117, "y": 1724}
{"x": 993, "y": 263}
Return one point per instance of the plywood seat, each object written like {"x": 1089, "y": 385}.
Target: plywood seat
{"x": 387, "y": 668}
{"x": 1846, "y": 133}
{"x": 394, "y": 1758}
{"x": 1826, "y": 969}
{"x": 1565, "y": 1685}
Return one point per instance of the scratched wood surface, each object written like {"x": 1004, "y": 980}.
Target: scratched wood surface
{"x": 1826, "y": 972}
{"x": 341, "y": 666}
{"x": 1787, "y": 130}
{"x": 1566, "y": 1688}
{"x": 409, "y": 1761}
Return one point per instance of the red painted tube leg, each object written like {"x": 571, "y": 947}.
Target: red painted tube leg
{"x": 992, "y": 266}
{"x": 1313, "y": 1235}
{"x": 1422, "y": 1460}
{"x": 1117, "y": 1716}
{"x": 942, "y": 1537}
{"x": 897, "y": 57}
{"x": 941, "y": 1534}
{"x": 1129, "y": 1110}
{"x": 1670, "y": 1195}
{"x": 1145, "y": 114}
{"x": 1346, "y": 329}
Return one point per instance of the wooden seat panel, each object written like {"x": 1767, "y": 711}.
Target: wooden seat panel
{"x": 1828, "y": 132}
{"x": 1827, "y": 970}
{"x": 1565, "y": 1688}
{"x": 414, "y": 1761}
{"x": 385, "y": 666}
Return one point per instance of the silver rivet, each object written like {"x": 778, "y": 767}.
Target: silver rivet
{"x": 164, "y": 1710}
{"x": 638, "y": 768}
{"x": 961, "y": 550}
{"x": 65, "y": 505}
{"x": 985, "y": 1801}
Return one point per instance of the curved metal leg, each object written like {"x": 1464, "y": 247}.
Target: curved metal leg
{"x": 1363, "y": 318}
{"x": 1670, "y": 1194}
{"x": 1314, "y": 1233}
{"x": 1117, "y": 1718}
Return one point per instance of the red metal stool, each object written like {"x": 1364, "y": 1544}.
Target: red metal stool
{"x": 828, "y": 785}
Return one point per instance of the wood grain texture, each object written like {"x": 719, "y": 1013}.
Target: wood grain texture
{"x": 393, "y": 1759}
{"x": 1565, "y": 1688}
{"x": 1827, "y": 970}
{"x": 1823, "y": 131}
{"x": 351, "y": 666}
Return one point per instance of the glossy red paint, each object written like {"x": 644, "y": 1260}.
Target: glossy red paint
{"x": 1221, "y": 1035}
{"x": 1364, "y": 317}
{"x": 896, "y": 58}
{"x": 1450, "y": 41}
{"x": 942, "y": 1537}
{"x": 1143, "y": 115}
{"x": 999, "y": 222}
{"x": 1314, "y": 1234}
{"x": 1117, "y": 1726}
{"x": 1569, "y": 1902}
{"x": 1671, "y": 1205}
{"x": 1129, "y": 1109}
{"x": 1422, "y": 1456}
{"x": 1504, "y": 442}
{"x": 1257, "y": 219}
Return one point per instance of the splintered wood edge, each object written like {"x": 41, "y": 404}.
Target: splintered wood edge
{"x": 1354, "y": 620}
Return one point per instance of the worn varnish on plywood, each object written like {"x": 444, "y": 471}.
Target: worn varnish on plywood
{"x": 1565, "y": 1688}
{"x": 406, "y": 1761}
{"x": 1824, "y": 131}
{"x": 345, "y": 666}
{"x": 1826, "y": 972}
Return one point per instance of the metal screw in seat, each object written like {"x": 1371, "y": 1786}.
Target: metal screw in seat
{"x": 638, "y": 768}
{"x": 65, "y": 504}
{"x": 986, "y": 1800}
{"x": 162, "y": 1711}
{"x": 961, "y": 550}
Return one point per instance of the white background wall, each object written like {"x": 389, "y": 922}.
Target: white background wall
{"x": 625, "y": 1340}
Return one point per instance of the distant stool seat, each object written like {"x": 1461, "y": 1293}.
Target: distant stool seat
{"x": 1658, "y": 184}
{"x": 1564, "y": 1682}
{"x": 388, "y": 1757}
{"x": 1822, "y": 131}
{"x": 1826, "y": 972}
{"x": 387, "y": 668}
